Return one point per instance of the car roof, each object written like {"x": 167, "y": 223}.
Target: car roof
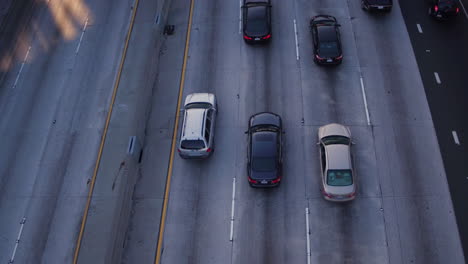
{"x": 338, "y": 157}
{"x": 264, "y": 144}
{"x": 193, "y": 123}
{"x": 265, "y": 118}
{"x": 327, "y": 33}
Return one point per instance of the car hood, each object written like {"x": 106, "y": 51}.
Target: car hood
{"x": 263, "y": 175}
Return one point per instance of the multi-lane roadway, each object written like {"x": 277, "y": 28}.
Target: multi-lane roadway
{"x": 54, "y": 108}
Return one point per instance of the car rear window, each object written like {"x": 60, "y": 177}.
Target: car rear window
{"x": 336, "y": 140}
{"x": 198, "y": 105}
{"x": 263, "y": 163}
{"x": 192, "y": 144}
{"x": 339, "y": 177}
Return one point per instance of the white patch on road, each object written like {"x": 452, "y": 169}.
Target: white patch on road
{"x": 419, "y": 28}
{"x": 464, "y": 10}
{"x": 12, "y": 259}
{"x": 308, "y": 235}
{"x": 231, "y": 235}
{"x": 21, "y": 68}
{"x": 297, "y": 43}
{"x": 455, "y": 137}
{"x": 81, "y": 37}
{"x": 437, "y": 78}
{"x": 365, "y": 101}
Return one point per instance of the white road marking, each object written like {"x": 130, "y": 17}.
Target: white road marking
{"x": 437, "y": 78}
{"x": 23, "y": 221}
{"x": 455, "y": 137}
{"x": 464, "y": 10}
{"x": 365, "y": 101}
{"x": 240, "y": 16}
{"x": 81, "y": 37}
{"x": 307, "y": 235}
{"x": 21, "y": 68}
{"x": 231, "y": 235}
{"x": 297, "y": 43}
{"x": 419, "y": 28}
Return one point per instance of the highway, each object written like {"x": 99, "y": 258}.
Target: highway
{"x": 54, "y": 113}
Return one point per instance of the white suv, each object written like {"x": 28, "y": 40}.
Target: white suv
{"x": 197, "y": 135}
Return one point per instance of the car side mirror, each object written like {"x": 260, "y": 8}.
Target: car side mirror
{"x": 353, "y": 143}
{"x": 338, "y": 25}
{"x": 318, "y": 143}
{"x": 246, "y": 132}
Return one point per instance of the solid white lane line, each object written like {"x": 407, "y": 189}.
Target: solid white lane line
{"x": 12, "y": 259}
{"x": 231, "y": 235}
{"x": 455, "y": 137}
{"x": 21, "y": 68}
{"x": 307, "y": 235}
{"x": 437, "y": 78}
{"x": 240, "y": 16}
{"x": 297, "y": 43}
{"x": 419, "y": 28}
{"x": 365, "y": 101}
{"x": 81, "y": 37}
{"x": 464, "y": 10}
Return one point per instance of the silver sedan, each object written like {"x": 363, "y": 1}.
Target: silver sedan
{"x": 338, "y": 175}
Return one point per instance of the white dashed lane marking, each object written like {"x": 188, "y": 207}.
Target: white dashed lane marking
{"x": 419, "y": 28}
{"x": 436, "y": 75}
{"x": 455, "y": 137}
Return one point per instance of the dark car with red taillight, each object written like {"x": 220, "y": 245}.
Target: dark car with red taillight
{"x": 377, "y": 5}
{"x": 256, "y": 21}
{"x": 443, "y": 9}
{"x": 326, "y": 38}
{"x": 264, "y": 153}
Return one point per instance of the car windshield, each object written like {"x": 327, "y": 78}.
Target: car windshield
{"x": 339, "y": 177}
{"x": 192, "y": 144}
{"x": 336, "y": 140}
{"x": 446, "y": 4}
{"x": 263, "y": 163}
{"x": 265, "y": 128}
{"x": 198, "y": 105}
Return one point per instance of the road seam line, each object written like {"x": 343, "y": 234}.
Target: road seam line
{"x": 81, "y": 37}
{"x": 103, "y": 137}
{"x": 240, "y": 16}
{"x": 464, "y": 10}
{"x": 297, "y": 43}
{"x": 231, "y": 235}
{"x": 174, "y": 137}
{"x": 455, "y": 137}
{"x": 437, "y": 78}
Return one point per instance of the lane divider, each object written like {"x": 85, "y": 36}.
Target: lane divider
{"x": 308, "y": 234}
{"x": 455, "y": 137}
{"x": 174, "y": 137}
{"x": 231, "y": 235}
{"x": 21, "y": 68}
{"x": 297, "y": 43}
{"x": 103, "y": 137}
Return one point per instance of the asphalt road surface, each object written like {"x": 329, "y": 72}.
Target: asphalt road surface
{"x": 54, "y": 105}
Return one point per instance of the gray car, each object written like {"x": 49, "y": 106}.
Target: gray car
{"x": 336, "y": 162}
{"x": 198, "y": 127}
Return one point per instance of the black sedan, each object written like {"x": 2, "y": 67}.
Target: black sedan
{"x": 443, "y": 9}
{"x": 326, "y": 37}
{"x": 256, "y": 20}
{"x": 377, "y": 5}
{"x": 264, "y": 158}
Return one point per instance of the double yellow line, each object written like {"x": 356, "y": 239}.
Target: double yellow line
{"x": 174, "y": 138}
{"x": 103, "y": 137}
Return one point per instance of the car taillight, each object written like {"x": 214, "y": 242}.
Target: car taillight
{"x": 318, "y": 57}
{"x": 267, "y": 36}
{"x": 208, "y": 150}
{"x": 276, "y": 181}
{"x": 436, "y": 8}
{"x": 458, "y": 10}
{"x": 178, "y": 150}
{"x": 252, "y": 180}
{"x": 351, "y": 195}
{"x": 326, "y": 194}
{"x": 247, "y": 37}
{"x": 339, "y": 57}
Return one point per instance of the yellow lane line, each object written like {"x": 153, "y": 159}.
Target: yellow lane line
{"x": 103, "y": 137}
{"x": 174, "y": 137}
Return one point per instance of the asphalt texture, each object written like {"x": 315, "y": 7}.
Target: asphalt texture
{"x": 442, "y": 48}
